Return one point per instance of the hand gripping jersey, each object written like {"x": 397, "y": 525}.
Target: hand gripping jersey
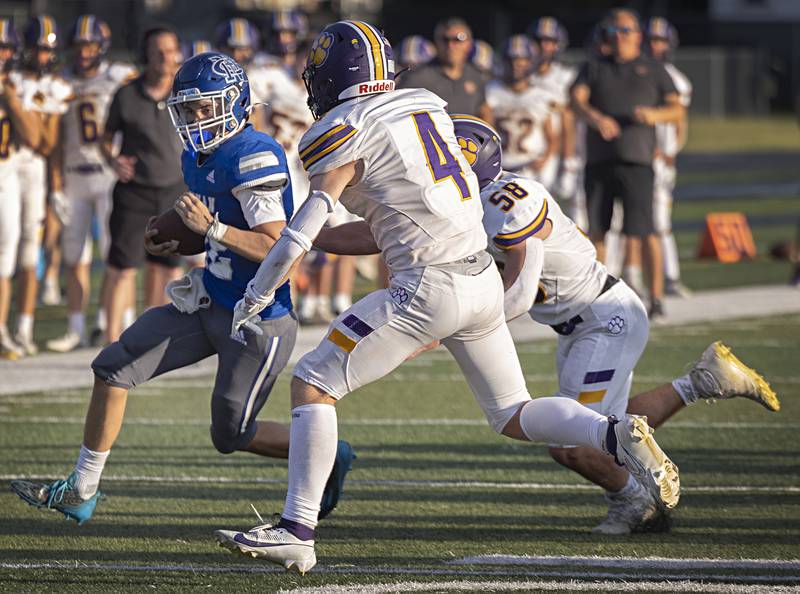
{"x": 249, "y": 159}
{"x": 520, "y": 119}
{"x": 667, "y": 134}
{"x": 417, "y": 193}
{"x": 515, "y": 208}
{"x": 87, "y": 111}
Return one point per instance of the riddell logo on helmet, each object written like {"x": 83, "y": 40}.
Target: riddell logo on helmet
{"x": 376, "y": 87}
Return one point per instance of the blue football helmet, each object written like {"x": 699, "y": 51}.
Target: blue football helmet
{"x": 348, "y": 59}
{"x": 41, "y": 32}
{"x": 481, "y": 146}
{"x": 415, "y": 50}
{"x": 9, "y": 39}
{"x": 221, "y": 83}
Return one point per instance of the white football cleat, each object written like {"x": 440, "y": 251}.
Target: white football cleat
{"x": 8, "y": 348}
{"x": 66, "y": 343}
{"x": 719, "y": 374}
{"x": 626, "y": 512}
{"x": 27, "y": 345}
{"x": 274, "y": 544}
{"x": 638, "y": 451}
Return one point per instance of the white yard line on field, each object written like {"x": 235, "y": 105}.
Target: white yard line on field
{"x": 630, "y": 582}
{"x": 408, "y": 483}
{"x": 156, "y": 422}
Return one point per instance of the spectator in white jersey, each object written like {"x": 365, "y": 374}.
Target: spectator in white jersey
{"x": 662, "y": 40}
{"x": 78, "y": 165}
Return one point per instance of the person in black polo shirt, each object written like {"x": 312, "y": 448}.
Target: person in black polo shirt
{"x": 451, "y": 75}
{"x": 622, "y": 97}
{"x": 148, "y": 167}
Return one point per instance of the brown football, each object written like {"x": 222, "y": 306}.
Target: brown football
{"x": 170, "y": 226}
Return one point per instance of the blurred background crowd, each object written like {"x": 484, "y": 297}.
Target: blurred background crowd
{"x": 88, "y": 152}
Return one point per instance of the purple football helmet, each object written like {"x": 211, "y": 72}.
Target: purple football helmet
{"x": 661, "y": 28}
{"x": 481, "y": 146}
{"x": 519, "y": 47}
{"x": 9, "y": 39}
{"x": 348, "y": 59}
{"x": 550, "y": 28}
{"x": 41, "y": 33}
{"x": 415, "y": 50}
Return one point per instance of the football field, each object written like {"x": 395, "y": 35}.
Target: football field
{"x": 435, "y": 502}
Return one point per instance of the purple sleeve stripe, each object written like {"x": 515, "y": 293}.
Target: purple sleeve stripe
{"x": 505, "y": 243}
{"x": 357, "y": 325}
{"x": 329, "y": 139}
{"x": 596, "y": 377}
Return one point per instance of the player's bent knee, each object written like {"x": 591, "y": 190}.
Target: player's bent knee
{"x": 111, "y": 366}
{"x": 227, "y": 439}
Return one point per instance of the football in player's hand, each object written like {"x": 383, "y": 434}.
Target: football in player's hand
{"x": 170, "y": 226}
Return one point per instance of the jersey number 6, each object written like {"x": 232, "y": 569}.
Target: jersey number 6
{"x": 441, "y": 162}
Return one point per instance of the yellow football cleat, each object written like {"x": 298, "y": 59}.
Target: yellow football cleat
{"x": 719, "y": 374}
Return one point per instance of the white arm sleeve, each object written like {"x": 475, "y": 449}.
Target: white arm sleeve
{"x": 261, "y": 204}
{"x": 520, "y": 296}
{"x": 296, "y": 239}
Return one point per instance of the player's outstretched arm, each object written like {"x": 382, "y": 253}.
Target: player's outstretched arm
{"x": 350, "y": 239}
{"x": 296, "y": 239}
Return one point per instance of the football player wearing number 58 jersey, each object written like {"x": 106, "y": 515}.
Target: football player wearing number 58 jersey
{"x": 239, "y": 198}
{"x": 551, "y": 271}
{"x": 78, "y": 165}
{"x": 392, "y": 158}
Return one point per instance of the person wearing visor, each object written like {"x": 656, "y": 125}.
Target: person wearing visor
{"x": 78, "y": 164}
{"x": 239, "y": 198}
{"x": 451, "y": 75}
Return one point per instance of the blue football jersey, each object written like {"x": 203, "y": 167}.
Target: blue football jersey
{"x": 248, "y": 159}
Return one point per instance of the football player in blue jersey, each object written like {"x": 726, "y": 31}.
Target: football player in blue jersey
{"x": 239, "y": 198}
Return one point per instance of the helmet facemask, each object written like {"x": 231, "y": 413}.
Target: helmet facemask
{"x": 205, "y": 134}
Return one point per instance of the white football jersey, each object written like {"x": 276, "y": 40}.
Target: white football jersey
{"x": 48, "y": 93}
{"x": 417, "y": 192}
{"x": 520, "y": 118}
{"x": 515, "y": 208}
{"x": 9, "y": 143}
{"x": 556, "y": 82}
{"x": 287, "y": 119}
{"x": 86, "y": 115}
{"x": 667, "y": 134}
{"x": 267, "y": 80}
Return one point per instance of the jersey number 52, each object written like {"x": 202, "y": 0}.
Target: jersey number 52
{"x": 441, "y": 162}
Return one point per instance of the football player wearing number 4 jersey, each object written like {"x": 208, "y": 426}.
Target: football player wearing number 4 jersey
{"x": 77, "y": 160}
{"x": 240, "y": 198}
{"x": 550, "y": 270}
{"x": 393, "y": 159}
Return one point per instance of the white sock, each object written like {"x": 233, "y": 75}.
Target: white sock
{"x": 323, "y": 303}
{"x": 88, "y": 470}
{"x": 100, "y": 320}
{"x": 631, "y": 488}
{"x": 308, "y": 306}
{"x": 685, "y": 389}
{"x": 342, "y": 302}
{"x": 128, "y": 317}
{"x": 564, "y": 421}
{"x": 77, "y": 322}
{"x": 672, "y": 267}
{"x": 25, "y": 326}
{"x": 313, "y": 439}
